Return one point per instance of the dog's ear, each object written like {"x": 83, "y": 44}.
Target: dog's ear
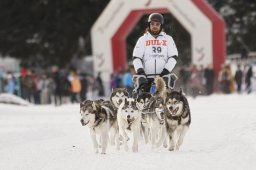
{"x": 137, "y": 99}
{"x": 81, "y": 104}
{"x": 168, "y": 91}
{"x": 186, "y": 105}
{"x": 95, "y": 106}
{"x": 180, "y": 91}
{"x": 149, "y": 95}
{"x": 126, "y": 91}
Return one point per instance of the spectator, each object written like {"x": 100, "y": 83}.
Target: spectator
{"x": 37, "y": 91}
{"x": 10, "y": 86}
{"x": 1, "y": 81}
{"x": 28, "y": 85}
{"x": 84, "y": 87}
{"x": 209, "y": 79}
{"x": 184, "y": 77}
{"x": 75, "y": 87}
{"x": 238, "y": 78}
{"x": 248, "y": 76}
{"x": 127, "y": 81}
{"x": 244, "y": 52}
{"x": 99, "y": 84}
{"x": 195, "y": 82}
{"x": 57, "y": 86}
{"x": 116, "y": 80}
{"x": 225, "y": 79}
{"x": 44, "y": 86}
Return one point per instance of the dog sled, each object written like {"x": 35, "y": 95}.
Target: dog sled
{"x": 140, "y": 80}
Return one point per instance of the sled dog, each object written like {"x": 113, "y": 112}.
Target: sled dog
{"x": 178, "y": 118}
{"x": 142, "y": 102}
{"x": 156, "y": 114}
{"x": 100, "y": 116}
{"x": 118, "y": 95}
{"x": 129, "y": 119}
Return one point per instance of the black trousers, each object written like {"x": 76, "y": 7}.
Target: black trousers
{"x": 146, "y": 87}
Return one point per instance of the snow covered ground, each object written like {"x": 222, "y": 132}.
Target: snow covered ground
{"x": 222, "y": 136}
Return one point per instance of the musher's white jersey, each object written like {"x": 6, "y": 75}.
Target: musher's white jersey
{"x": 155, "y": 53}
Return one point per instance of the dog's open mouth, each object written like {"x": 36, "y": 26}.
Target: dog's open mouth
{"x": 83, "y": 123}
{"x": 173, "y": 112}
{"x": 130, "y": 120}
{"x": 161, "y": 122}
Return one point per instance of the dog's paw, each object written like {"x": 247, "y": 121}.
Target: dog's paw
{"x": 158, "y": 145}
{"x": 118, "y": 148}
{"x": 135, "y": 150}
{"x": 176, "y": 148}
{"x": 171, "y": 148}
{"x": 127, "y": 138}
{"x": 126, "y": 148}
{"x": 153, "y": 147}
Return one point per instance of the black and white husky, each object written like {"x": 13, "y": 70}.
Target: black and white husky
{"x": 156, "y": 114}
{"x": 178, "y": 118}
{"x": 100, "y": 116}
{"x": 142, "y": 103}
{"x": 118, "y": 95}
{"x": 129, "y": 119}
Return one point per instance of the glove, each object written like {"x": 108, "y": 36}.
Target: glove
{"x": 164, "y": 72}
{"x": 141, "y": 71}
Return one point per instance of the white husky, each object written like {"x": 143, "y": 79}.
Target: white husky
{"x": 156, "y": 121}
{"x": 100, "y": 117}
{"x": 129, "y": 119}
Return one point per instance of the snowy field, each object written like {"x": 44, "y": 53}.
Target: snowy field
{"x": 222, "y": 136}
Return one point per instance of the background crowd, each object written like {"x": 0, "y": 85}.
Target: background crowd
{"x": 61, "y": 85}
{"x": 236, "y": 77}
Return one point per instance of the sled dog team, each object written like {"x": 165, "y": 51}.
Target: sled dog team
{"x": 163, "y": 118}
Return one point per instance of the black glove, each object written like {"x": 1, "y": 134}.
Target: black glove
{"x": 141, "y": 71}
{"x": 164, "y": 72}
{"x": 143, "y": 81}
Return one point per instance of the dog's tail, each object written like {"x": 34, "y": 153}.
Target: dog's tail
{"x": 160, "y": 85}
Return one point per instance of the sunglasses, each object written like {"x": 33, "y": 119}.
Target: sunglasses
{"x": 155, "y": 23}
